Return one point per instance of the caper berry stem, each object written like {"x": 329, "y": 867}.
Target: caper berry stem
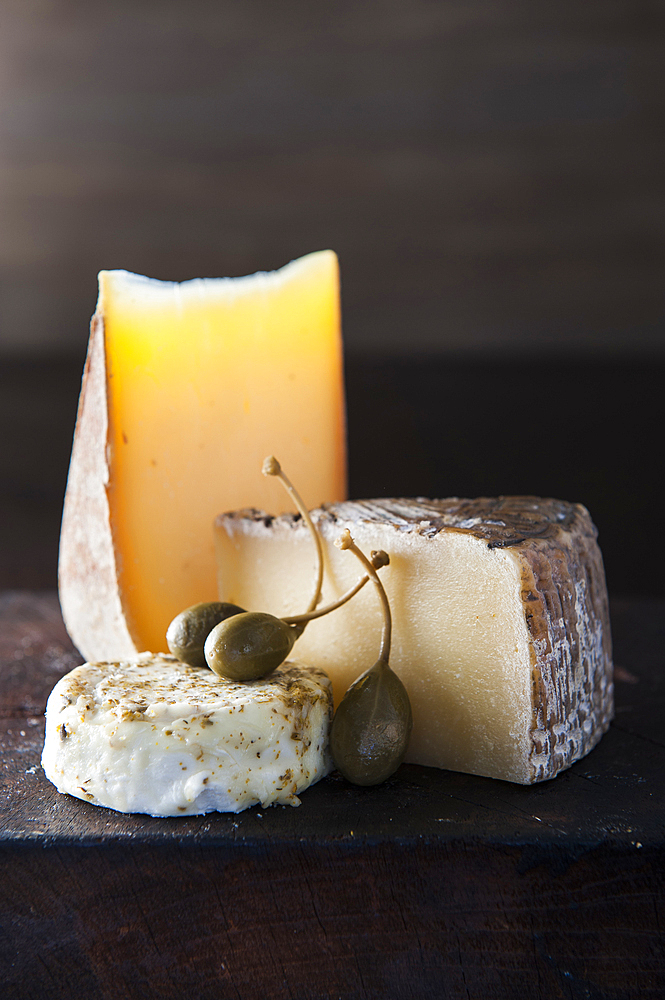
{"x": 379, "y": 558}
{"x": 345, "y": 541}
{"x": 271, "y": 467}
{"x": 320, "y": 612}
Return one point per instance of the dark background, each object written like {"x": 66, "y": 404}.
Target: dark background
{"x": 490, "y": 174}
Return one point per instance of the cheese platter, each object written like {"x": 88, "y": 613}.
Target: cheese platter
{"x": 501, "y": 635}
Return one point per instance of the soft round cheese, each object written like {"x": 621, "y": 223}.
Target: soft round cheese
{"x": 155, "y": 736}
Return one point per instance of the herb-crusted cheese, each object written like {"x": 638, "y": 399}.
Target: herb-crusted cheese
{"x": 154, "y": 736}
{"x": 500, "y": 620}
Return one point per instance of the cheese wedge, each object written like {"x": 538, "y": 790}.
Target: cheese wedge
{"x": 500, "y": 620}
{"x": 155, "y": 736}
{"x": 187, "y": 388}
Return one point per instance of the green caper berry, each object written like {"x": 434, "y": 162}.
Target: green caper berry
{"x": 249, "y": 646}
{"x": 371, "y": 727}
{"x": 189, "y": 630}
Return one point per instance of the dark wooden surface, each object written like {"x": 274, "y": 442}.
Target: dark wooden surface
{"x": 433, "y": 885}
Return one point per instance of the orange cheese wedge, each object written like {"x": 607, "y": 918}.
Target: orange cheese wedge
{"x": 187, "y": 387}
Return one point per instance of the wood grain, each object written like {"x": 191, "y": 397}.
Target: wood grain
{"x": 491, "y": 175}
{"x": 433, "y": 885}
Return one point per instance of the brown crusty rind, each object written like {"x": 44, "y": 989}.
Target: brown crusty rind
{"x": 566, "y": 610}
{"x": 87, "y": 569}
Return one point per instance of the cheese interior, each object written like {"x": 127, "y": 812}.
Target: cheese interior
{"x": 206, "y": 378}
{"x": 460, "y": 642}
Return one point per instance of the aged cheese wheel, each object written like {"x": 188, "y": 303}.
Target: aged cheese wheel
{"x": 187, "y": 388}
{"x": 500, "y": 620}
{"x": 154, "y": 736}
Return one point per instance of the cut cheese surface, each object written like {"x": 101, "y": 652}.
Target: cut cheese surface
{"x": 500, "y": 620}
{"x": 155, "y": 736}
{"x": 187, "y": 388}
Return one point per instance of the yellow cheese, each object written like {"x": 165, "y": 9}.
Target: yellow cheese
{"x": 187, "y": 388}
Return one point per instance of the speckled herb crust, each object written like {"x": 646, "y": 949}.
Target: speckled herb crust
{"x": 155, "y": 735}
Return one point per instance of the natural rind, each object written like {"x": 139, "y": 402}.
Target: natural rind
{"x": 88, "y": 570}
{"x": 155, "y": 736}
{"x": 500, "y": 613}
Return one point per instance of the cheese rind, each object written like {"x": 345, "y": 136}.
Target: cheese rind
{"x": 187, "y": 387}
{"x": 500, "y": 620}
{"x": 155, "y": 736}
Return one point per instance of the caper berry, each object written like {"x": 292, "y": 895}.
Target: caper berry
{"x": 249, "y": 646}
{"x": 189, "y": 630}
{"x": 372, "y": 726}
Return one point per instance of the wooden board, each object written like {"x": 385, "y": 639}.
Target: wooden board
{"x": 432, "y": 885}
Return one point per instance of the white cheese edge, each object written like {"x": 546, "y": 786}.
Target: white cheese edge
{"x": 153, "y": 736}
